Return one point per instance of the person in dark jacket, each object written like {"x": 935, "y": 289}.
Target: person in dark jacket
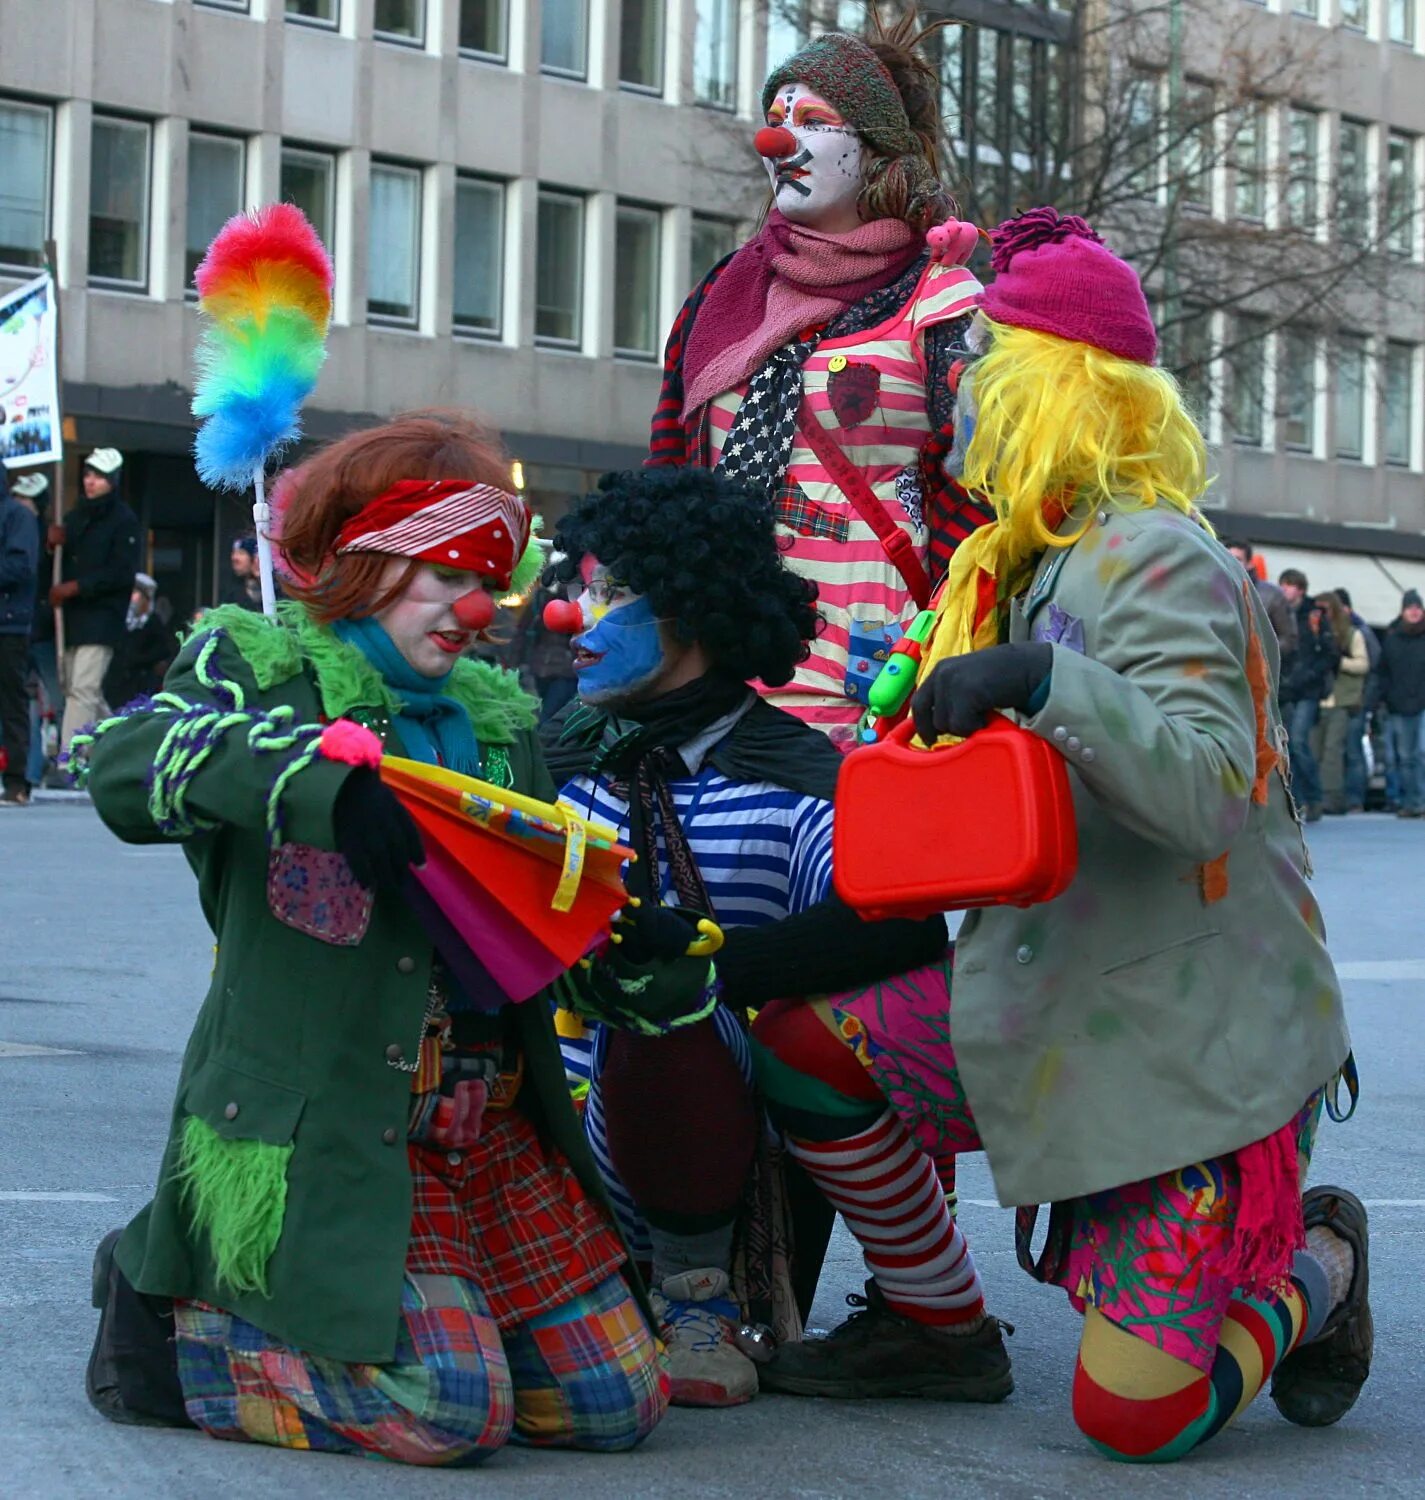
{"x": 244, "y": 585}
{"x": 101, "y": 556}
{"x": 19, "y": 549}
{"x": 1307, "y": 675}
{"x": 1402, "y": 689}
{"x": 146, "y": 651}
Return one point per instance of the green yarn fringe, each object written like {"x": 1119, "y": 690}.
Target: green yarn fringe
{"x": 237, "y": 1192}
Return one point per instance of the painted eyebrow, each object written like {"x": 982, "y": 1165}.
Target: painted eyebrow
{"x": 805, "y": 112}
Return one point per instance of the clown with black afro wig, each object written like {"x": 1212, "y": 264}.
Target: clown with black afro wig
{"x": 699, "y": 553}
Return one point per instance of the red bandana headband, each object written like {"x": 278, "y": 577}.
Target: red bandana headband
{"x": 475, "y": 527}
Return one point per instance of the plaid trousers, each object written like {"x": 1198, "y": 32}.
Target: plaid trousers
{"x": 584, "y": 1374}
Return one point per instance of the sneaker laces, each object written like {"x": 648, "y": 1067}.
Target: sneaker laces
{"x": 697, "y": 1326}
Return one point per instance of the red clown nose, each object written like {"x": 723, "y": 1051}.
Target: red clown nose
{"x": 474, "y": 611}
{"x": 774, "y": 141}
{"x": 563, "y": 617}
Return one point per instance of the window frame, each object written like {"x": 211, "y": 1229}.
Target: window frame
{"x": 1407, "y": 7}
{"x": 1360, "y": 25}
{"x": 728, "y": 104}
{"x": 731, "y": 225}
{"x": 314, "y": 153}
{"x": 190, "y": 292}
{"x": 1398, "y": 346}
{"x": 474, "y": 54}
{"x": 1353, "y": 188}
{"x": 47, "y": 191}
{"x": 1297, "y": 340}
{"x": 319, "y": 22}
{"x": 412, "y": 320}
{"x": 114, "y": 283}
{"x": 648, "y": 213}
{"x": 1401, "y": 241}
{"x": 575, "y": 343}
{"x": 553, "y": 70}
{"x": 660, "y": 51}
{"x": 1257, "y": 347}
{"x": 1256, "y": 173}
{"x": 1361, "y": 343}
{"x": 1311, "y": 221}
{"x": 501, "y": 189}
{"x": 396, "y": 38}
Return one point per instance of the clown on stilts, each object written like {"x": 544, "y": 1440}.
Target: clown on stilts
{"x": 376, "y": 1229}
{"x": 1150, "y": 1050}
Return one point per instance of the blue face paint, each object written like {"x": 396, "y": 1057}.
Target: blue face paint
{"x": 626, "y": 652}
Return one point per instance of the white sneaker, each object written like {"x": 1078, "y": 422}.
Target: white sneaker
{"x": 696, "y": 1318}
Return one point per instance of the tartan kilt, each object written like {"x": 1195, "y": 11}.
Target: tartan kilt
{"x": 509, "y": 1214}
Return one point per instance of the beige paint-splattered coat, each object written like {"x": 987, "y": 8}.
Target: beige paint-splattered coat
{"x": 1133, "y": 1025}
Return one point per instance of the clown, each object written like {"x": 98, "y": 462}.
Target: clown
{"x": 376, "y": 1229}
{"x": 813, "y": 364}
{"x": 727, "y": 800}
{"x": 1148, "y": 1051}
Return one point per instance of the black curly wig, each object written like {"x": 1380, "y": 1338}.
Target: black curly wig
{"x": 704, "y": 550}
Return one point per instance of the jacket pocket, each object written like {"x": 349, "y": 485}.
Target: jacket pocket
{"x": 1179, "y": 947}
{"x": 314, "y": 891}
{"x": 240, "y": 1106}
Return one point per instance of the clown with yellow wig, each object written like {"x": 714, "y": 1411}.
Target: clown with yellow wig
{"x": 1150, "y": 1051}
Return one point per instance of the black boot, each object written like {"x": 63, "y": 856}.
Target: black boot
{"x": 133, "y": 1369}
{"x": 878, "y": 1352}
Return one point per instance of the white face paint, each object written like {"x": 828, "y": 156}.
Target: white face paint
{"x": 421, "y": 621}
{"x": 819, "y": 183}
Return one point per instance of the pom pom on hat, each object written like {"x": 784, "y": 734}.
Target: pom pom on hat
{"x": 1055, "y": 275}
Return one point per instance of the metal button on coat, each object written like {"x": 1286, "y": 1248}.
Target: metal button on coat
{"x": 406, "y": 965}
{"x": 1060, "y": 734}
{"x": 1088, "y": 755}
{"x": 393, "y": 1052}
{"x": 454, "y": 1158}
{"x": 1024, "y": 953}
{"x": 388, "y": 1136}
{"x": 1074, "y": 744}
{"x": 230, "y": 1111}
{"x": 1102, "y": 518}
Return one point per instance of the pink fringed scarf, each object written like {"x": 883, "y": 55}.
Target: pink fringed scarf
{"x": 785, "y": 279}
{"x": 1269, "y": 1228}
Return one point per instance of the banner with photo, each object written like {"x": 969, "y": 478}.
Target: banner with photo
{"x": 29, "y": 375}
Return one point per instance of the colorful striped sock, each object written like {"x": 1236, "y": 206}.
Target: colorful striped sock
{"x": 888, "y": 1192}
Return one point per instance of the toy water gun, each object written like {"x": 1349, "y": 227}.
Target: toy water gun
{"x": 890, "y": 692}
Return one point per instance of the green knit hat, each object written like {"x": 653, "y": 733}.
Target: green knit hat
{"x": 847, "y": 74}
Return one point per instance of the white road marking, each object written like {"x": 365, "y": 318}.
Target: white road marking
{"x": 1383, "y": 968}
{"x": 18, "y": 1197}
{"x": 28, "y": 1049}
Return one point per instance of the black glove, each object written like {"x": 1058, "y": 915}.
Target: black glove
{"x": 374, "y": 832}
{"x": 961, "y": 693}
{"x": 654, "y": 932}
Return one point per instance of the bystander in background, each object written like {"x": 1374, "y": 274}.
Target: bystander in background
{"x": 1307, "y": 675}
{"x": 1343, "y": 757}
{"x": 1402, "y": 690}
{"x": 19, "y": 551}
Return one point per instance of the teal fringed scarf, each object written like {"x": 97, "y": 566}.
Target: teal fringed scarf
{"x": 433, "y": 727}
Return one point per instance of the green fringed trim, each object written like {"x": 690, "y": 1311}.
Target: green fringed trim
{"x": 498, "y": 706}
{"x": 237, "y": 1192}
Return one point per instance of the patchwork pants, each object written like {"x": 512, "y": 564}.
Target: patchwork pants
{"x": 582, "y": 1375}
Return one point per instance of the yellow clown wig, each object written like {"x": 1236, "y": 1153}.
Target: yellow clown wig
{"x": 1062, "y": 430}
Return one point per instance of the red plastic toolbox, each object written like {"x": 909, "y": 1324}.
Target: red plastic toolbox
{"x": 987, "y": 822}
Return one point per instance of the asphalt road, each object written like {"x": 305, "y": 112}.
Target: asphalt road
{"x": 103, "y": 962}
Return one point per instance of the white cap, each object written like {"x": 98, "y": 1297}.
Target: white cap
{"x": 30, "y": 486}
{"x": 105, "y": 461}
{"x": 144, "y": 582}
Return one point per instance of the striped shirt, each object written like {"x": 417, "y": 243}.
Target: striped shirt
{"x": 883, "y": 434}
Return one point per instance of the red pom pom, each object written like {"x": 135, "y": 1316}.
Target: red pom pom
{"x": 351, "y": 743}
{"x": 563, "y": 617}
{"x": 774, "y": 141}
{"x": 474, "y": 611}
{"x": 1037, "y": 227}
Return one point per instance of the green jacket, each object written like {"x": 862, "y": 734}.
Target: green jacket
{"x": 1167, "y": 1008}
{"x": 291, "y": 1068}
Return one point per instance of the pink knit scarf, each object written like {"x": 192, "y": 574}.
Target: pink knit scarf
{"x": 785, "y": 279}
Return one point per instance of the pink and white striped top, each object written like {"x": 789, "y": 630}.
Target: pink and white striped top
{"x": 869, "y": 390}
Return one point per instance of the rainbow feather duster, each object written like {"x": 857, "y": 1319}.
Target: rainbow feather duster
{"x": 266, "y": 288}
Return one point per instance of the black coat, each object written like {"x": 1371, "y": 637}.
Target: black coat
{"x": 1401, "y": 672}
{"x": 101, "y": 554}
{"x": 19, "y": 551}
{"x": 1310, "y": 671}
{"x": 140, "y": 660}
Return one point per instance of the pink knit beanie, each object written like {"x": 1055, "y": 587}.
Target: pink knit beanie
{"x": 1055, "y": 275}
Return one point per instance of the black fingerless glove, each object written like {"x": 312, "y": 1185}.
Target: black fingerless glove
{"x": 374, "y": 832}
{"x": 960, "y": 694}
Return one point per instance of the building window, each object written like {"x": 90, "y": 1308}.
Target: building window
{"x": 711, "y": 240}
{"x": 393, "y": 270}
{"x": 1353, "y": 14}
{"x": 638, "y": 240}
{"x": 1199, "y": 108}
{"x": 241, "y": 5}
{"x": 559, "y": 270}
{"x": 1399, "y": 401}
{"x": 1308, "y": 8}
{"x": 1350, "y": 395}
{"x": 1353, "y": 210}
{"x": 1400, "y": 209}
{"x": 1401, "y": 25}
{"x": 1249, "y": 381}
{"x": 1296, "y": 379}
{"x": 317, "y": 12}
{"x": 482, "y": 29}
{"x": 1190, "y": 345}
{"x": 308, "y": 179}
{"x": 788, "y": 30}
{"x": 564, "y": 37}
{"x": 1142, "y": 133}
{"x": 640, "y": 52}
{"x": 1250, "y": 158}
{"x": 25, "y": 131}
{"x": 1303, "y": 167}
{"x": 479, "y": 255}
{"x": 215, "y": 194}
{"x": 715, "y": 52}
{"x": 118, "y": 203}
{"x": 400, "y": 21}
